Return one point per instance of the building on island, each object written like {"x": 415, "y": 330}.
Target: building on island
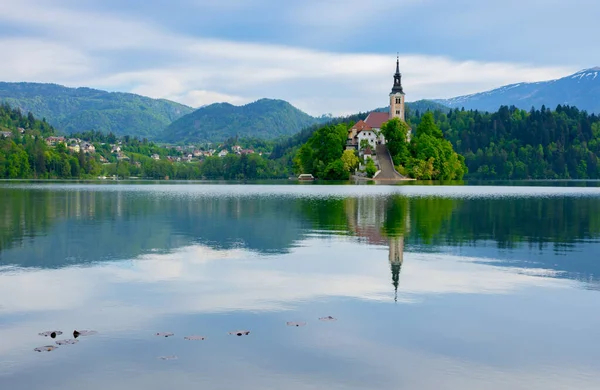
{"x": 370, "y": 128}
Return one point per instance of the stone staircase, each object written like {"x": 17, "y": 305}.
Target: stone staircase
{"x": 386, "y": 166}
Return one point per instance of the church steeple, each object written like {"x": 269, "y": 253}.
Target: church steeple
{"x": 397, "y": 88}
{"x": 397, "y": 95}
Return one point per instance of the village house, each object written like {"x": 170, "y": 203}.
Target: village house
{"x": 103, "y": 160}
{"x": 197, "y": 153}
{"x": 88, "y": 147}
{"x": 156, "y": 156}
{"x": 5, "y": 134}
{"x": 74, "y": 147}
{"x": 247, "y": 151}
{"x": 52, "y": 141}
{"x": 223, "y": 153}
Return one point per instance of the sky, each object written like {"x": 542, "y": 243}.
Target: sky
{"x": 323, "y": 56}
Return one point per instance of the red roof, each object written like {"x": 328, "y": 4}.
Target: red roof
{"x": 360, "y": 126}
{"x": 376, "y": 119}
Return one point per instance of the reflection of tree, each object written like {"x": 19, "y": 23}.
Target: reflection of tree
{"x": 423, "y": 216}
{"x": 50, "y": 229}
{"x": 429, "y": 215}
{"x": 325, "y": 214}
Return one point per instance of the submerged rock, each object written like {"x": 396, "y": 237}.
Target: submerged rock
{"x": 195, "y": 338}
{"x": 327, "y": 319}
{"x": 240, "y": 332}
{"x": 67, "y": 342}
{"x": 290, "y": 323}
{"x": 45, "y": 348}
{"x": 171, "y": 357}
{"x": 77, "y": 333}
{"x": 164, "y": 334}
{"x": 51, "y": 333}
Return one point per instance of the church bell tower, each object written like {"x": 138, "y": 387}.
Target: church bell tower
{"x": 397, "y": 95}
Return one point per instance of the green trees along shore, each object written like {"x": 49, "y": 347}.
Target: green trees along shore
{"x": 510, "y": 144}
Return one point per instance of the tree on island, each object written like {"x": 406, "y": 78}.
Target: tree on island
{"x": 428, "y": 156}
{"x": 321, "y": 155}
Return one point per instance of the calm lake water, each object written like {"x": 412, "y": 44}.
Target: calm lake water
{"x": 433, "y": 287}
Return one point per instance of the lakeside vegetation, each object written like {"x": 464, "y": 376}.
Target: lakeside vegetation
{"x": 518, "y": 144}
{"x": 509, "y": 144}
{"x": 29, "y": 149}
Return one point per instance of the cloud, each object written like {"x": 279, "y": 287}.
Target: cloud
{"x": 125, "y": 299}
{"x": 119, "y": 52}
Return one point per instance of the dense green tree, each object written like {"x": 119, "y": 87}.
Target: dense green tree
{"x": 395, "y": 132}
{"x": 370, "y": 168}
{"x": 350, "y": 160}
{"x": 320, "y": 155}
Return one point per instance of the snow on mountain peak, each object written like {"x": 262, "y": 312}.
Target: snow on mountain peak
{"x": 586, "y": 74}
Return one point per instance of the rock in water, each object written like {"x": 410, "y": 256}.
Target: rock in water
{"x": 164, "y": 334}
{"x": 45, "y": 348}
{"x": 240, "y": 332}
{"x": 77, "y": 333}
{"x": 297, "y": 324}
{"x": 51, "y": 333}
{"x": 67, "y": 342}
{"x": 327, "y": 319}
{"x": 195, "y": 338}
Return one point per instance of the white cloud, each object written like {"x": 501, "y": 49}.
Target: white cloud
{"x": 79, "y": 48}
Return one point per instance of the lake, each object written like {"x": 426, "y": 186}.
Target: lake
{"x": 431, "y": 287}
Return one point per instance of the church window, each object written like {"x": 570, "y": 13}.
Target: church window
{"x": 397, "y": 112}
{"x": 398, "y": 101}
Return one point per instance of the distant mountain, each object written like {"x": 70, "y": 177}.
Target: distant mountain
{"x": 264, "y": 118}
{"x": 421, "y": 106}
{"x": 426, "y": 105}
{"x": 581, "y": 89}
{"x": 81, "y": 109}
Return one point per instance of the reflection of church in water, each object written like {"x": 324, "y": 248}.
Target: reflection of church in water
{"x": 367, "y": 218}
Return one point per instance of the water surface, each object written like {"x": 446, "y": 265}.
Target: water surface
{"x": 454, "y": 287}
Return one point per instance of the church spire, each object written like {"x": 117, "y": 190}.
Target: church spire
{"x": 397, "y": 88}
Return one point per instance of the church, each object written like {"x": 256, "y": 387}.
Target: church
{"x": 369, "y": 128}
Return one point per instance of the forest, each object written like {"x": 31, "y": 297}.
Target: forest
{"x": 24, "y": 154}
{"x": 518, "y": 144}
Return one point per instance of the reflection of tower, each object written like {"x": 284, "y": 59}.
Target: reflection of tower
{"x": 396, "y": 257}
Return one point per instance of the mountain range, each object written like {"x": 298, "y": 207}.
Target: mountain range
{"x": 81, "y": 109}
{"x": 581, "y": 89}
{"x": 72, "y": 110}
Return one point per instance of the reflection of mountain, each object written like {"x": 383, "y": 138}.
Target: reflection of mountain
{"x": 50, "y": 228}
{"x": 56, "y": 229}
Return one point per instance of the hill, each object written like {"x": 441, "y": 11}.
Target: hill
{"x": 581, "y": 89}
{"x": 264, "y": 118}
{"x": 72, "y": 110}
